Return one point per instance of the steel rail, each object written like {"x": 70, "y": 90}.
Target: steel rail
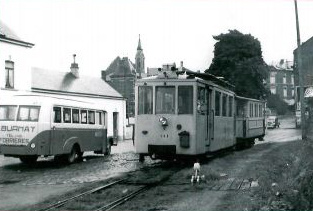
{"x": 123, "y": 199}
{"x": 60, "y": 203}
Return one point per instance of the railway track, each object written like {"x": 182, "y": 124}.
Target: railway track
{"x": 115, "y": 193}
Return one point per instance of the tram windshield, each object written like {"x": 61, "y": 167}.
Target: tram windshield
{"x": 145, "y": 97}
{"x": 165, "y": 100}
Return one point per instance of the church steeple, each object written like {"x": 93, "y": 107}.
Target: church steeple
{"x": 139, "y": 44}
{"x": 140, "y": 59}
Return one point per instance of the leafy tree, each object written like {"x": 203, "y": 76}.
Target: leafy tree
{"x": 238, "y": 58}
{"x": 274, "y": 102}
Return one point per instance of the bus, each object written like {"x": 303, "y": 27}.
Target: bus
{"x": 38, "y": 125}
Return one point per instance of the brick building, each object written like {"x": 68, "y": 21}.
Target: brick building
{"x": 122, "y": 75}
{"x": 281, "y": 81}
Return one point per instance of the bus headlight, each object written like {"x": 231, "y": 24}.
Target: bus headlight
{"x": 33, "y": 145}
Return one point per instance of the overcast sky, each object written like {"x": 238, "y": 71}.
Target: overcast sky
{"x": 171, "y": 30}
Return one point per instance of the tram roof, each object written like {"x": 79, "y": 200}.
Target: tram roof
{"x": 188, "y": 75}
{"x": 66, "y": 82}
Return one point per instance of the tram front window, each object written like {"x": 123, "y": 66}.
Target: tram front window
{"x": 145, "y": 100}
{"x": 165, "y": 100}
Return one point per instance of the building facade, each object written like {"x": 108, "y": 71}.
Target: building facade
{"x": 72, "y": 85}
{"x": 16, "y": 60}
{"x": 281, "y": 81}
{"x": 122, "y": 74}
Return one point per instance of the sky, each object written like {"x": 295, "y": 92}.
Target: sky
{"x": 98, "y": 31}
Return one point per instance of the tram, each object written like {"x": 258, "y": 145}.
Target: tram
{"x": 181, "y": 114}
{"x": 34, "y": 125}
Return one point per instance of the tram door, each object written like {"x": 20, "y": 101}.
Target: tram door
{"x": 202, "y": 123}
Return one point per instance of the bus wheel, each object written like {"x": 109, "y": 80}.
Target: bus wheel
{"x": 108, "y": 149}
{"x": 29, "y": 159}
{"x": 74, "y": 155}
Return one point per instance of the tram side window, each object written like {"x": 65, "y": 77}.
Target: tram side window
{"x": 83, "y": 118}
{"x": 185, "y": 100}
{"x": 260, "y": 110}
{"x": 224, "y": 105}
{"x": 145, "y": 97}
{"x": 217, "y": 103}
{"x": 256, "y": 110}
{"x": 28, "y": 113}
{"x": 165, "y": 100}
{"x": 7, "y": 113}
{"x": 57, "y": 114}
{"x": 230, "y": 106}
{"x": 251, "y": 110}
{"x": 75, "y": 115}
{"x": 91, "y": 117}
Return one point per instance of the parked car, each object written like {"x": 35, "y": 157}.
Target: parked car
{"x": 272, "y": 122}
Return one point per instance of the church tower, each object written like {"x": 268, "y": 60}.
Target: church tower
{"x": 140, "y": 59}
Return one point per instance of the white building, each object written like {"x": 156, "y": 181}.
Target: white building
{"x": 84, "y": 88}
{"x": 15, "y": 62}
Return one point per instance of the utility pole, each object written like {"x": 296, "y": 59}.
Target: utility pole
{"x": 301, "y": 75}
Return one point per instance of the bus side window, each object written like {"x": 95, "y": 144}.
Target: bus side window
{"x": 75, "y": 115}
{"x": 91, "y": 117}
{"x": 57, "y": 114}
{"x": 83, "y": 114}
{"x": 99, "y": 118}
{"x": 66, "y": 115}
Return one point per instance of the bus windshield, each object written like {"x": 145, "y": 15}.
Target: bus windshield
{"x": 28, "y": 113}
{"x": 7, "y": 112}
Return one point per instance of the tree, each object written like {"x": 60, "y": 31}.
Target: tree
{"x": 274, "y": 102}
{"x": 238, "y": 58}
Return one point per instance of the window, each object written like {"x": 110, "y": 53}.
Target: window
{"x": 75, "y": 115}
{"x": 66, "y": 115}
{"x": 292, "y": 92}
{"x": 83, "y": 118}
{"x": 260, "y": 110}
{"x": 230, "y": 106}
{"x": 251, "y": 110}
{"x": 9, "y": 74}
{"x": 145, "y": 97}
{"x": 284, "y": 79}
{"x": 57, "y": 114}
{"x": 28, "y": 113}
{"x": 99, "y": 118}
{"x": 91, "y": 117}
{"x": 292, "y": 79}
{"x": 273, "y": 90}
{"x": 202, "y": 101}
{"x": 165, "y": 100}
{"x": 272, "y": 78}
{"x": 285, "y": 91}
{"x": 185, "y": 100}
{"x": 7, "y": 113}
{"x": 217, "y": 103}
{"x": 256, "y": 110}
{"x": 224, "y": 105}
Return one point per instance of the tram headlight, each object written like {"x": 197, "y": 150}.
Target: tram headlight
{"x": 33, "y": 145}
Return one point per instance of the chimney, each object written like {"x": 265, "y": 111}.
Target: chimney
{"x": 181, "y": 65}
{"x": 75, "y": 68}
